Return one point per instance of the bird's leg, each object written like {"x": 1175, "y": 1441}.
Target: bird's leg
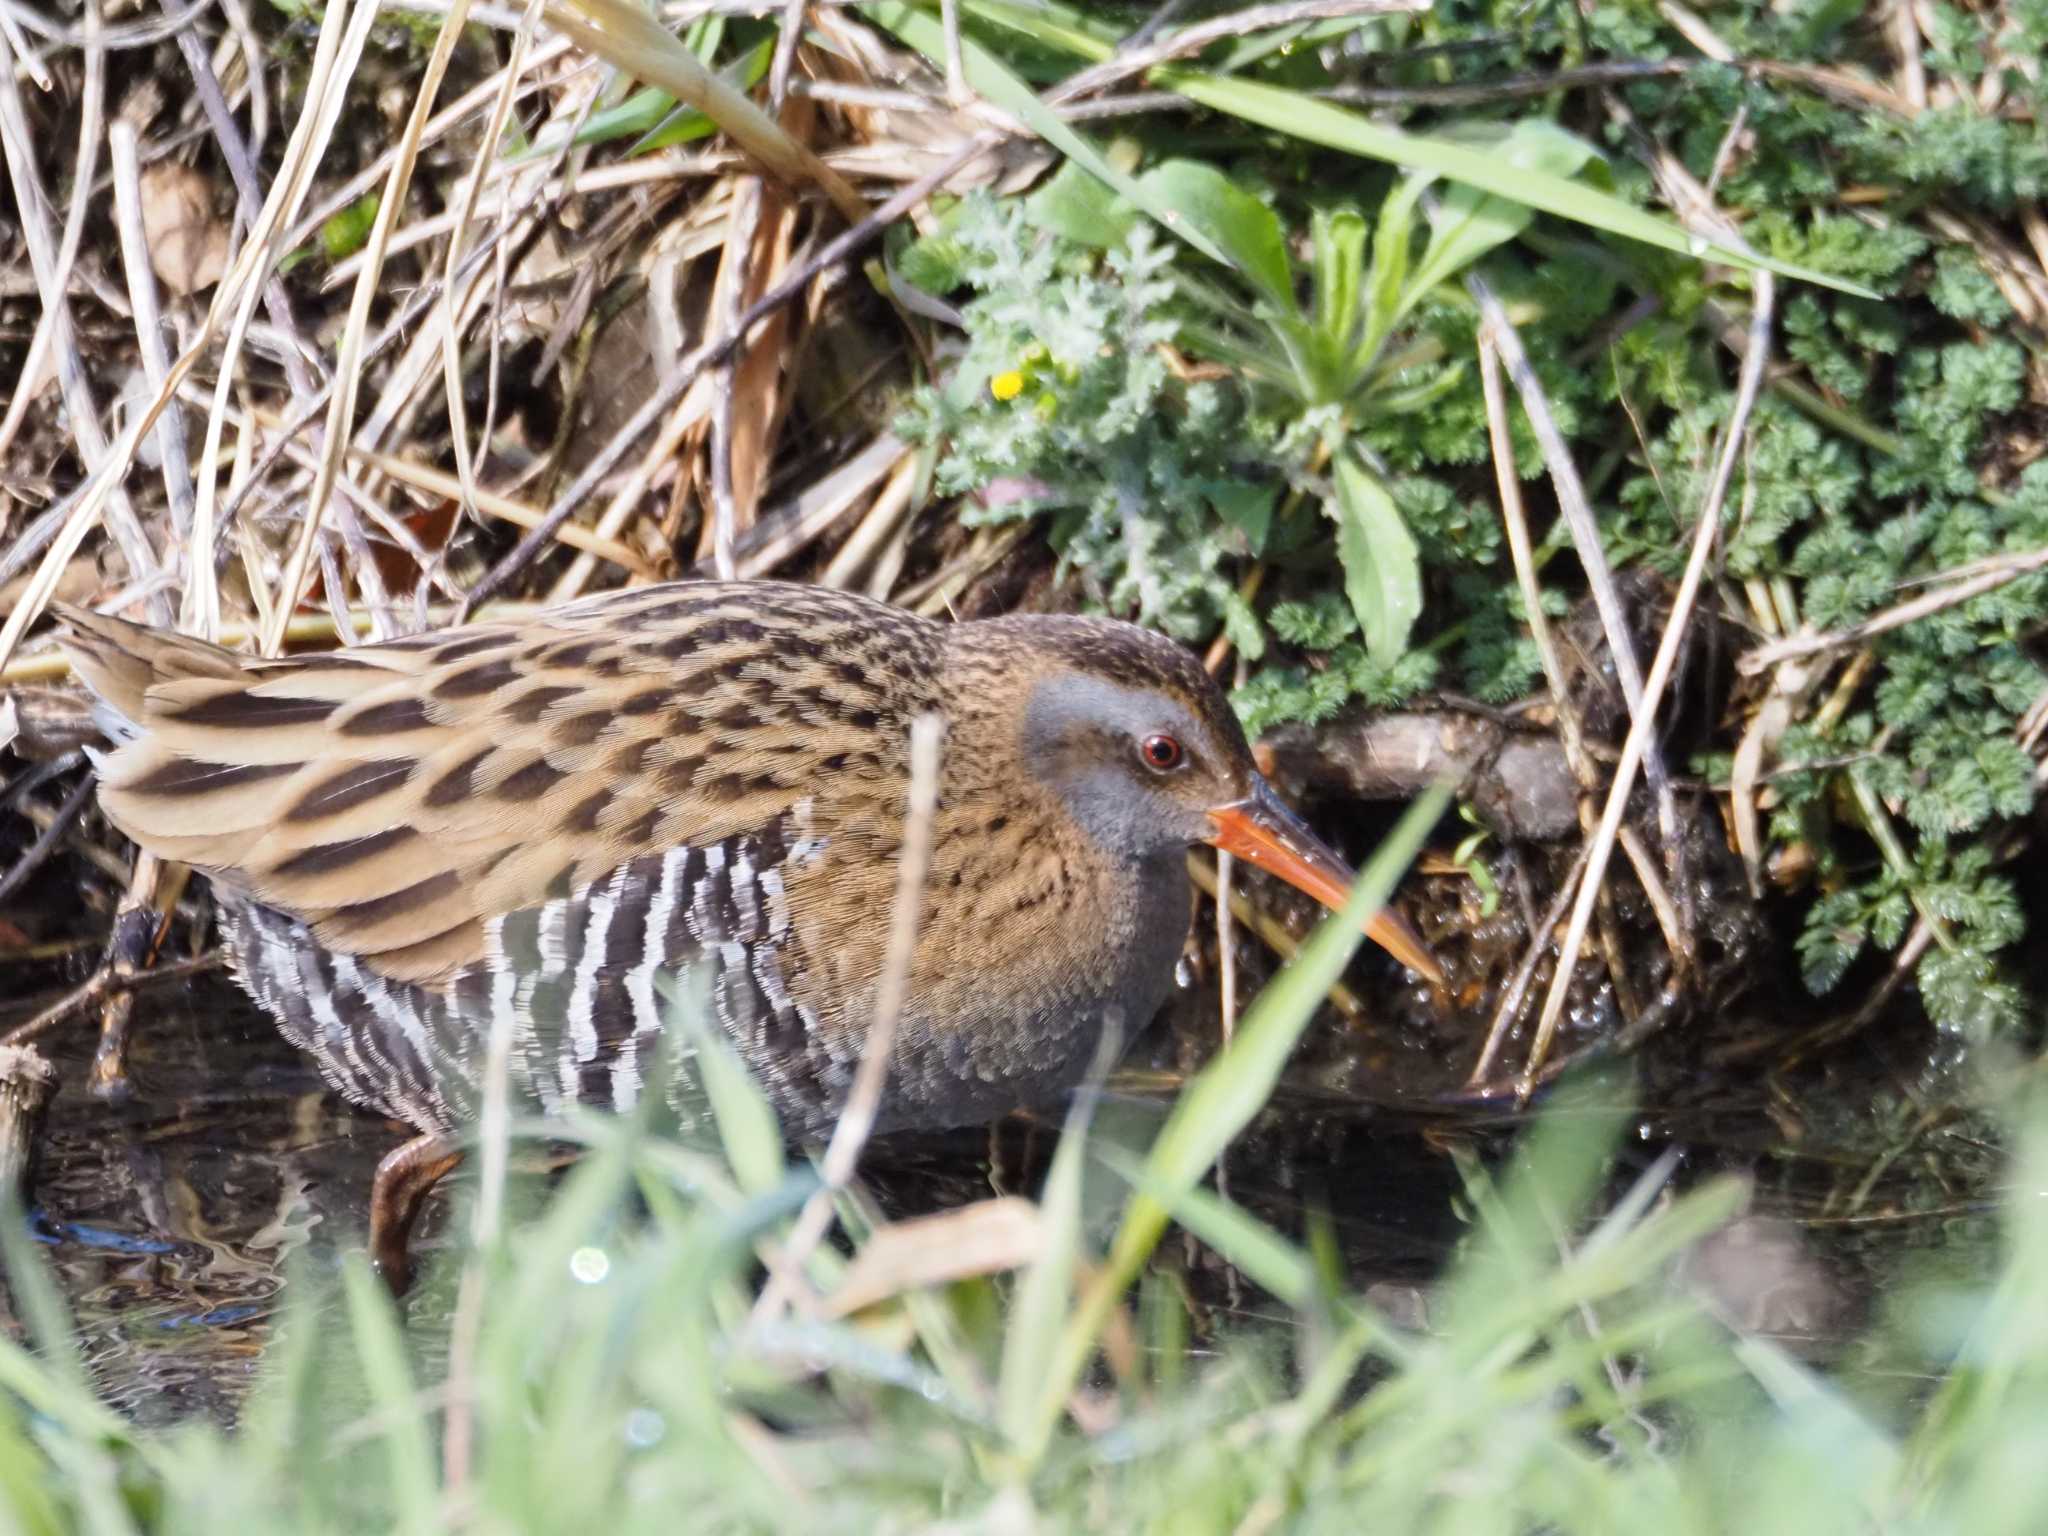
{"x": 138, "y": 928}
{"x": 403, "y": 1180}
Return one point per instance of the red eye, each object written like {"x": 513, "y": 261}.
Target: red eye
{"x": 1160, "y": 752}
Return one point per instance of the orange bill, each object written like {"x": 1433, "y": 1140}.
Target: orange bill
{"x": 1261, "y": 830}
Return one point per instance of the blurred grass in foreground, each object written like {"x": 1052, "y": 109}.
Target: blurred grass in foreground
{"x": 625, "y": 1375}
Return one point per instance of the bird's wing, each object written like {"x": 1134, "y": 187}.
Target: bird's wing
{"x": 400, "y": 797}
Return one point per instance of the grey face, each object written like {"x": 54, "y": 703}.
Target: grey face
{"x": 1139, "y": 769}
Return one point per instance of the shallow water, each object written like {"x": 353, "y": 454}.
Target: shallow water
{"x": 171, "y": 1220}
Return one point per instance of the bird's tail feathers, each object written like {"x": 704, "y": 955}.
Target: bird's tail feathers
{"x": 120, "y": 662}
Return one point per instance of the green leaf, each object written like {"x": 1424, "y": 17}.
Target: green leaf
{"x": 380, "y": 1346}
{"x": 1236, "y": 222}
{"x": 1044, "y": 1295}
{"x": 1268, "y": 1260}
{"x": 747, "y": 1127}
{"x": 685, "y": 125}
{"x": 1246, "y": 507}
{"x": 1466, "y": 223}
{"x": 1388, "y": 281}
{"x": 1320, "y": 122}
{"x": 349, "y": 230}
{"x": 1079, "y": 207}
{"x": 654, "y": 119}
{"x": 1337, "y": 238}
{"x": 994, "y": 79}
{"x": 1382, "y": 568}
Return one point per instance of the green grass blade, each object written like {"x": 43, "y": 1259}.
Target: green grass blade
{"x": 1040, "y": 1309}
{"x": 747, "y": 1127}
{"x": 39, "y": 1303}
{"x": 1226, "y": 1094}
{"x": 1266, "y": 1258}
{"x": 408, "y": 1445}
{"x": 994, "y": 79}
{"x": 1319, "y": 122}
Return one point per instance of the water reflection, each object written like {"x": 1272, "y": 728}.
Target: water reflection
{"x": 170, "y": 1220}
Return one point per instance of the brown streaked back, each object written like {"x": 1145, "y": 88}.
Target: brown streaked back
{"x": 397, "y": 796}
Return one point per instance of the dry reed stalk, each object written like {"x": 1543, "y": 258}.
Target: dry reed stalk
{"x": 1634, "y": 746}
{"x": 726, "y": 303}
{"x": 149, "y": 335}
{"x": 1521, "y": 553}
{"x": 451, "y": 266}
{"x": 404, "y": 389}
{"x": 52, "y": 267}
{"x": 348, "y": 355}
{"x": 891, "y": 506}
{"x": 714, "y": 351}
{"x": 634, "y": 43}
{"x": 1585, "y": 532}
{"x": 335, "y": 56}
{"x": 1146, "y": 56}
{"x": 1959, "y": 586}
{"x": 864, "y": 1099}
{"x": 439, "y": 126}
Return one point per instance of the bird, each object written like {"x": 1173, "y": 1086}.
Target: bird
{"x": 549, "y": 822}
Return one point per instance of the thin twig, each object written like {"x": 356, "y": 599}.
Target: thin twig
{"x": 1990, "y": 575}
{"x": 956, "y": 67}
{"x": 742, "y": 223}
{"x": 1585, "y": 531}
{"x": 438, "y": 127}
{"x": 335, "y": 56}
{"x": 1641, "y": 728}
{"x": 451, "y": 275}
{"x": 298, "y": 354}
{"x": 249, "y": 197}
{"x": 713, "y": 352}
{"x": 46, "y": 842}
{"x": 1513, "y": 87}
{"x": 52, "y": 267}
{"x": 341, "y": 408}
{"x": 1226, "y": 946}
{"x": 103, "y": 982}
{"x": 1570, "y": 729}
{"x": 143, "y": 34}
{"x": 1270, "y": 931}
{"x": 17, "y": 44}
{"x": 1138, "y": 60}
{"x": 631, "y": 40}
{"x": 889, "y": 510}
{"x": 786, "y": 39}
{"x": 36, "y": 777}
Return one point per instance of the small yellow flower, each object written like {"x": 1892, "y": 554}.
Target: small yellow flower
{"x": 1007, "y": 386}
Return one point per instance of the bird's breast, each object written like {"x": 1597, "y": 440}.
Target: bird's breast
{"x": 1013, "y": 1018}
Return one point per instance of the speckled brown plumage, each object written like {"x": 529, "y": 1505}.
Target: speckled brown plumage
{"x": 550, "y": 821}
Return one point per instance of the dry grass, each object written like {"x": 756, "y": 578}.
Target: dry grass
{"x": 342, "y": 464}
